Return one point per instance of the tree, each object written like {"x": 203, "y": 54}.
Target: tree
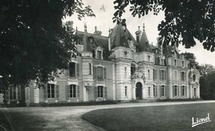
{"x": 205, "y": 69}
{"x": 33, "y": 42}
{"x": 185, "y": 20}
{"x": 192, "y": 60}
{"x": 207, "y": 83}
{"x": 207, "y": 86}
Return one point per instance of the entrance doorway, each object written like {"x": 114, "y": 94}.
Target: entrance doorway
{"x": 139, "y": 93}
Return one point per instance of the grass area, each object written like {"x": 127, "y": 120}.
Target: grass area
{"x": 22, "y": 121}
{"x": 171, "y": 118}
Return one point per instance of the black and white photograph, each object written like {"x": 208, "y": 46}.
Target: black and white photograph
{"x": 107, "y": 65}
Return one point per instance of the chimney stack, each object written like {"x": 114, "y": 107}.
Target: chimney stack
{"x": 138, "y": 33}
{"x": 85, "y": 27}
{"x": 143, "y": 26}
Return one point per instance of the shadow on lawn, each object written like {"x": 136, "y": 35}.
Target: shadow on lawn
{"x": 21, "y": 121}
{"x": 154, "y": 118}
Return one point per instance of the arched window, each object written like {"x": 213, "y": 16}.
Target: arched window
{"x": 194, "y": 77}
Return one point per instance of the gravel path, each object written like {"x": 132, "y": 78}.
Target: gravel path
{"x": 69, "y": 118}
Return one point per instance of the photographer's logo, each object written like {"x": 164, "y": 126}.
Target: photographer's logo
{"x": 199, "y": 121}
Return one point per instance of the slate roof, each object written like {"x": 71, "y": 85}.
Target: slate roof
{"x": 91, "y": 41}
{"x": 143, "y": 44}
{"x": 119, "y": 36}
{"x": 168, "y": 51}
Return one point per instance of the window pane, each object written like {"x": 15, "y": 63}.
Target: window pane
{"x": 72, "y": 69}
{"x": 99, "y": 54}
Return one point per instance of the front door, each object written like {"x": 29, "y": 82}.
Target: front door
{"x": 139, "y": 93}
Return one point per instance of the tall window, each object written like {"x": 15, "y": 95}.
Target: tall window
{"x": 175, "y": 90}
{"x": 149, "y": 92}
{"x": 100, "y": 73}
{"x": 175, "y": 62}
{"x": 154, "y": 90}
{"x": 15, "y": 92}
{"x": 183, "y": 91}
{"x": 148, "y": 74}
{"x": 126, "y": 91}
{"x": 52, "y": 91}
{"x": 72, "y": 90}
{"x": 73, "y": 69}
{"x": 162, "y": 75}
{"x": 162, "y": 90}
{"x": 99, "y": 54}
{"x": 175, "y": 75}
{"x": 132, "y": 69}
{"x": 154, "y": 74}
{"x": 125, "y": 72}
{"x": 183, "y": 77}
{"x": 162, "y": 61}
{"x": 182, "y": 63}
{"x": 194, "y": 77}
{"x": 90, "y": 69}
{"x": 100, "y": 91}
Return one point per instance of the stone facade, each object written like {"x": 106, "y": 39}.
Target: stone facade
{"x": 119, "y": 67}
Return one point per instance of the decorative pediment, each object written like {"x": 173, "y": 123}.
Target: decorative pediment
{"x": 138, "y": 74}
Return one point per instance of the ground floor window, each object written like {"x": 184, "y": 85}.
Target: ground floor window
{"x": 126, "y": 91}
{"x": 15, "y": 93}
{"x": 100, "y": 91}
{"x": 175, "y": 90}
{"x": 154, "y": 91}
{"x": 162, "y": 90}
{"x": 51, "y": 91}
{"x": 72, "y": 91}
{"x": 183, "y": 91}
{"x": 149, "y": 92}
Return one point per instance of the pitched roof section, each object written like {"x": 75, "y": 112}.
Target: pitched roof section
{"x": 120, "y": 35}
{"x": 168, "y": 51}
{"x": 143, "y": 44}
{"x": 91, "y": 41}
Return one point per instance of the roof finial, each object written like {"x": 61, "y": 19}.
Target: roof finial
{"x": 138, "y": 28}
{"x": 85, "y": 27}
{"x": 76, "y": 28}
{"x": 95, "y": 28}
{"x": 143, "y": 26}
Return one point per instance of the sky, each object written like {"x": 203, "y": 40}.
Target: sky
{"x": 104, "y": 10}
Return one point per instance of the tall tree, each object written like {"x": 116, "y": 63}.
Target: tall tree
{"x": 33, "y": 42}
{"x": 207, "y": 86}
{"x": 192, "y": 59}
{"x": 205, "y": 69}
{"x": 185, "y": 20}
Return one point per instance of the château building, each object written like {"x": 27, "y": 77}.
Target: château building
{"x": 117, "y": 67}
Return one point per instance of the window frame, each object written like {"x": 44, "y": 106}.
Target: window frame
{"x": 162, "y": 91}
{"x": 75, "y": 70}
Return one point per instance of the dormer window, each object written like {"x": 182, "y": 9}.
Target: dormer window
{"x": 149, "y": 58}
{"x": 99, "y": 53}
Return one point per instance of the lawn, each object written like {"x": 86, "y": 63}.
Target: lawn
{"x": 21, "y": 121}
{"x": 172, "y": 117}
